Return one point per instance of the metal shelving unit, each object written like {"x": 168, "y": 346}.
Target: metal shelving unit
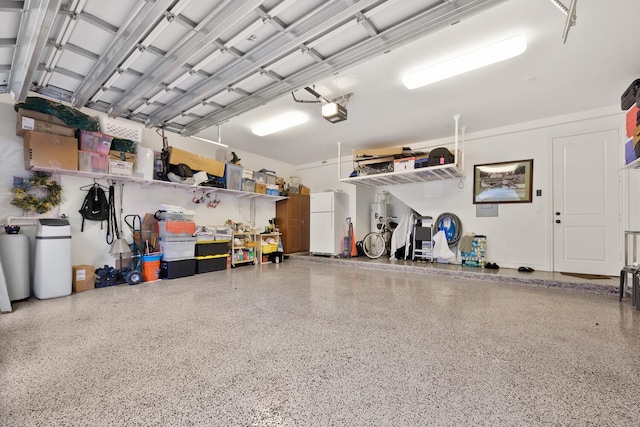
{"x": 249, "y": 250}
{"x": 432, "y": 173}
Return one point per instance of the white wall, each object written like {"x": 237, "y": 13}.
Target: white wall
{"x": 521, "y": 234}
{"x": 89, "y": 247}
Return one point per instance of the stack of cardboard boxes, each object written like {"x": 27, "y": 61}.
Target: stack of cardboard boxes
{"x": 49, "y": 143}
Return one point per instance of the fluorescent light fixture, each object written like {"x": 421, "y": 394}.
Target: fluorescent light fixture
{"x": 279, "y": 123}
{"x": 482, "y": 57}
{"x": 209, "y": 140}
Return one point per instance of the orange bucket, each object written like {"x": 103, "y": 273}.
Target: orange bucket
{"x": 151, "y": 267}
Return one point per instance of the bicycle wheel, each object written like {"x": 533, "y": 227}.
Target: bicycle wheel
{"x": 373, "y": 245}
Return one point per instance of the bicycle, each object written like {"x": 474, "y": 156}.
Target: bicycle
{"x": 376, "y": 243}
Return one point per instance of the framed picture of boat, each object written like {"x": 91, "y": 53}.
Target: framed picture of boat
{"x": 504, "y": 182}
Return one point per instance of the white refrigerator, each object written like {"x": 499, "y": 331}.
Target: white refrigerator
{"x": 328, "y": 222}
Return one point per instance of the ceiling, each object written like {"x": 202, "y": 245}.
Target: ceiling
{"x": 190, "y": 65}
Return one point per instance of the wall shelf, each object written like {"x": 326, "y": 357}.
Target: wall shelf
{"x": 146, "y": 183}
{"x": 633, "y": 165}
{"x": 432, "y": 173}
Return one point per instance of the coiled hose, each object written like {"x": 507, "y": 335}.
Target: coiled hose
{"x": 452, "y": 227}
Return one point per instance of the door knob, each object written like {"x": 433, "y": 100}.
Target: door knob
{"x": 558, "y": 221}
{"x": 557, "y": 213}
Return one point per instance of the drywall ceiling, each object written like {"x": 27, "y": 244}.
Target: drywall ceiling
{"x": 192, "y": 65}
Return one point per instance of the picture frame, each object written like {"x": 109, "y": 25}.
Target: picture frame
{"x": 503, "y": 182}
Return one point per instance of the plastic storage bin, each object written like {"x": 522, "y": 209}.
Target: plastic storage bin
{"x": 120, "y": 129}
{"x": 175, "y": 216}
{"x": 52, "y": 273}
{"x": 248, "y": 185}
{"x": 208, "y": 264}
{"x": 178, "y": 268}
{"x": 233, "y": 176}
{"x": 95, "y": 141}
{"x": 173, "y": 250}
{"x": 212, "y": 247}
{"x": 88, "y": 161}
{"x": 176, "y": 229}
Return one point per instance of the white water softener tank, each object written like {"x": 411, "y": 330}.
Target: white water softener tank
{"x": 52, "y": 271}
{"x": 14, "y": 255}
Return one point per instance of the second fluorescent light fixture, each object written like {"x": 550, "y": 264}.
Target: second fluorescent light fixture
{"x": 280, "y": 123}
{"x": 473, "y": 60}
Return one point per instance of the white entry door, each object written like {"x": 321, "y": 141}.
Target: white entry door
{"x": 586, "y": 203}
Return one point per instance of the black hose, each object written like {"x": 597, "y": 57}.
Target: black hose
{"x": 454, "y": 231}
{"x": 112, "y": 223}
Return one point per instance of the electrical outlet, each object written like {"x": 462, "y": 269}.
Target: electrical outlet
{"x": 538, "y": 193}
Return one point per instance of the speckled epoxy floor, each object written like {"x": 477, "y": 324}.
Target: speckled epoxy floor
{"x": 312, "y": 344}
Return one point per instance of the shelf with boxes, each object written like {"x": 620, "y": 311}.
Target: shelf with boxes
{"x": 145, "y": 183}
{"x": 395, "y": 165}
{"x": 51, "y": 147}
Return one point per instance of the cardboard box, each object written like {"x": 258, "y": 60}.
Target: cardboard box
{"x": 26, "y": 122}
{"x": 636, "y": 136}
{"x": 149, "y": 222}
{"x": 83, "y": 278}
{"x": 261, "y": 188}
{"x": 43, "y": 117}
{"x": 404, "y": 164}
{"x": 118, "y": 167}
{"x": 377, "y": 152}
{"x": 122, "y": 155}
{"x": 50, "y": 151}
{"x": 196, "y": 162}
{"x": 304, "y": 190}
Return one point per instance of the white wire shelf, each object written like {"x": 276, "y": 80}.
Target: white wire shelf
{"x": 145, "y": 183}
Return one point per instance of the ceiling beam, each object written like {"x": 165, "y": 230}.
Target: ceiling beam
{"x": 421, "y": 24}
{"x": 11, "y": 6}
{"x": 318, "y": 22}
{"x": 139, "y": 23}
{"x": 97, "y": 22}
{"x": 225, "y": 17}
{"x": 35, "y": 26}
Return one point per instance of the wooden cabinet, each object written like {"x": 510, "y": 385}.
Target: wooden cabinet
{"x": 293, "y": 220}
